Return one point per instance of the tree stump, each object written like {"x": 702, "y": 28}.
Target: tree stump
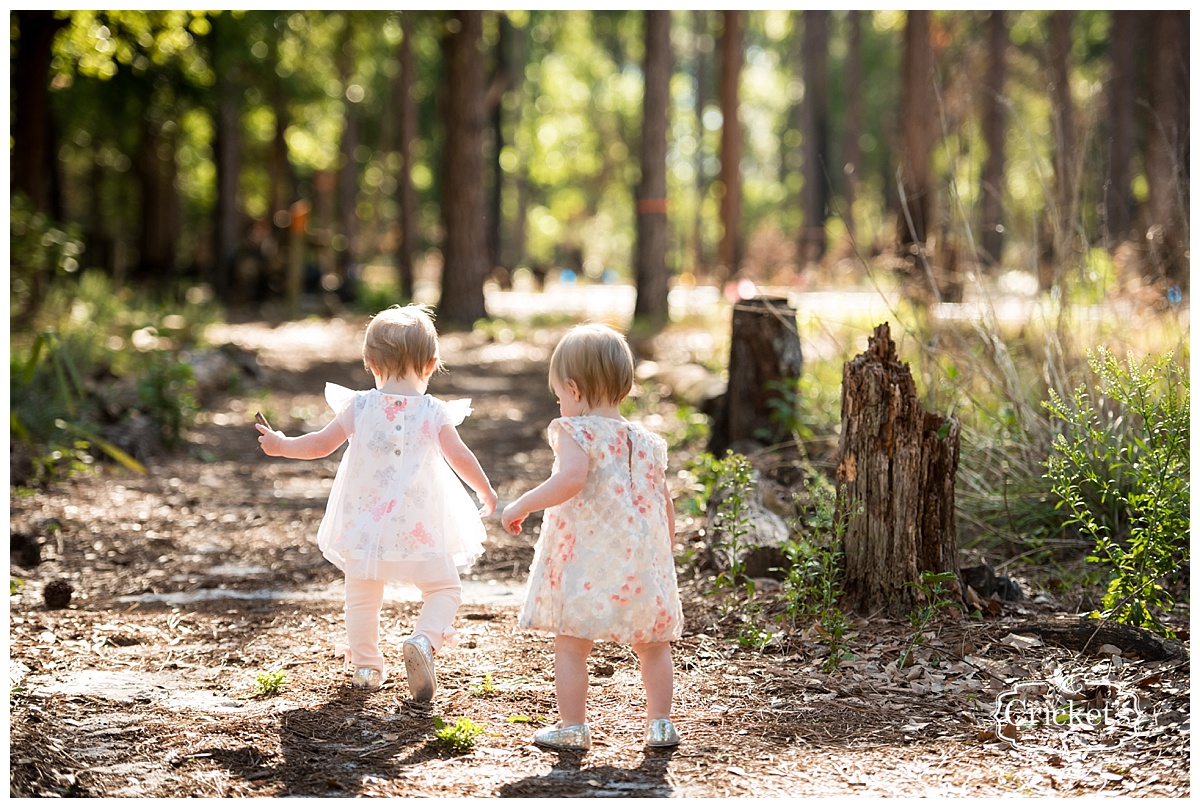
{"x": 764, "y": 366}
{"x": 896, "y": 467}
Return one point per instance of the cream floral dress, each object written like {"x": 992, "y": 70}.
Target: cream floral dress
{"x": 603, "y": 567}
{"x": 397, "y": 512}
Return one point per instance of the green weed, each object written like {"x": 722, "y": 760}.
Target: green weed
{"x": 933, "y": 599}
{"x": 457, "y": 737}
{"x": 268, "y": 683}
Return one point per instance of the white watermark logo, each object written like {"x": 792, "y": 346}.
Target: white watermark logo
{"x": 1098, "y": 715}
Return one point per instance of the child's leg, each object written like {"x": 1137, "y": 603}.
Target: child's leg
{"x": 440, "y": 600}
{"x": 657, "y": 677}
{"x": 363, "y": 602}
{"x": 571, "y": 678}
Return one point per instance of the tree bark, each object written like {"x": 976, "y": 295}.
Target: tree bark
{"x": 34, "y": 157}
{"x": 227, "y": 157}
{"x": 853, "y": 152}
{"x": 1087, "y": 635}
{"x": 896, "y": 467}
{"x": 765, "y": 362}
{"x": 991, "y": 181}
{"x": 1122, "y": 84}
{"x": 159, "y": 204}
{"x": 1058, "y": 224}
{"x": 731, "y": 144}
{"x": 650, "y": 262}
{"x": 1166, "y": 146}
{"x": 347, "y": 173}
{"x": 918, "y": 115}
{"x": 406, "y": 194}
{"x": 700, "y": 69}
{"x": 465, "y": 262}
{"x": 815, "y": 132}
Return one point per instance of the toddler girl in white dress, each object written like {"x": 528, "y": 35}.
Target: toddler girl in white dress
{"x": 603, "y": 567}
{"x": 396, "y": 511}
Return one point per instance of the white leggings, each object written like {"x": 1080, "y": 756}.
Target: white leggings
{"x": 439, "y": 603}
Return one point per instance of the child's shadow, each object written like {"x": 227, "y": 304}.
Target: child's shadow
{"x": 568, "y": 779}
{"x": 332, "y": 750}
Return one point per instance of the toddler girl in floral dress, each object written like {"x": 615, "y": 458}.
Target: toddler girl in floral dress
{"x": 396, "y": 511}
{"x": 603, "y": 567}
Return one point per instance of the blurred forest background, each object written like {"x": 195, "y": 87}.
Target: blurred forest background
{"x": 212, "y": 147}
{"x": 172, "y": 168}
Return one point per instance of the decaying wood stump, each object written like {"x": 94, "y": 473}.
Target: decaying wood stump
{"x": 896, "y": 465}
{"x": 1086, "y": 635}
{"x": 764, "y": 363}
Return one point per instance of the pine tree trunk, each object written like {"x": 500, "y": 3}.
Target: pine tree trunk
{"x": 406, "y": 194}
{"x": 896, "y": 467}
{"x": 731, "y": 144}
{"x": 815, "y": 128}
{"x": 1122, "y": 105}
{"x": 918, "y": 114}
{"x": 463, "y": 206}
{"x": 991, "y": 182}
{"x": 765, "y": 361}
{"x": 650, "y": 261}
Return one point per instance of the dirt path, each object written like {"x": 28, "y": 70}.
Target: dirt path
{"x": 191, "y": 582}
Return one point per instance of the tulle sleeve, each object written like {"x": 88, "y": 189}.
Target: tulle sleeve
{"x": 341, "y": 401}
{"x": 454, "y": 412}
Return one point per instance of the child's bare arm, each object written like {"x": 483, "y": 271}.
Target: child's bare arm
{"x": 557, "y": 489}
{"x": 304, "y": 447}
{"x": 466, "y": 466}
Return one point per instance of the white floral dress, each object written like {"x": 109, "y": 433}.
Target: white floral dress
{"x": 603, "y": 567}
{"x": 397, "y": 511}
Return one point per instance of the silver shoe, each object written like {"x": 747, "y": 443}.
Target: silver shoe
{"x": 418, "y": 662}
{"x": 367, "y": 679}
{"x": 573, "y": 738}
{"x": 661, "y": 732}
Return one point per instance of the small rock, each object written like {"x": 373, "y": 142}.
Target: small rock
{"x": 58, "y": 594}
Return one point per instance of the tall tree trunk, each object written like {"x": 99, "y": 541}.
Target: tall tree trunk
{"x": 1122, "y": 116}
{"x": 283, "y": 185}
{"x": 347, "y": 174}
{"x": 731, "y": 144}
{"x": 991, "y": 181}
{"x": 896, "y": 468}
{"x": 464, "y": 112}
{"x": 650, "y": 263}
{"x": 815, "y": 131}
{"x": 34, "y": 155}
{"x": 1061, "y": 218}
{"x": 159, "y": 203}
{"x": 854, "y": 119}
{"x": 500, "y": 85}
{"x": 406, "y": 194}
{"x": 227, "y": 157}
{"x": 918, "y": 114}
{"x": 1166, "y": 145}
{"x": 514, "y": 253}
{"x": 700, "y": 67}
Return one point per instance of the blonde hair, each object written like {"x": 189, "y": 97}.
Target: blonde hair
{"x": 598, "y": 360}
{"x": 401, "y": 339}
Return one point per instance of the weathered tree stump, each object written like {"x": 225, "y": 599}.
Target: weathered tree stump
{"x": 896, "y": 466}
{"x": 764, "y": 364}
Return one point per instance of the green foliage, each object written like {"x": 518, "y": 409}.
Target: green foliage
{"x": 1120, "y": 467}
{"x": 486, "y": 687}
{"x": 268, "y": 683}
{"x": 457, "y": 737}
{"x": 15, "y": 585}
{"x": 731, "y": 486}
{"x": 932, "y": 599}
{"x": 813, "y": 582}
{"x": 39, "y": 251}
{"x": 95, "y": 356}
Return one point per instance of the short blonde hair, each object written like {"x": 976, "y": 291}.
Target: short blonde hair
{"x": 401, "y": 339}
{"x": 598, "y": 360}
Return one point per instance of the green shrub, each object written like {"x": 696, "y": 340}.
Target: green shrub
{"x": 1120, "y": 468}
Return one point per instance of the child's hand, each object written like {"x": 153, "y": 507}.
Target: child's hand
{"x": 270, "y": 440}
{"x": 488, "y": 500}
{"x": 512, "y": 518}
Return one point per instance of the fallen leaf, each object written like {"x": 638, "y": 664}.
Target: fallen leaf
{"x": 736, "y": 770}
{"x": 1022, "y": 641}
